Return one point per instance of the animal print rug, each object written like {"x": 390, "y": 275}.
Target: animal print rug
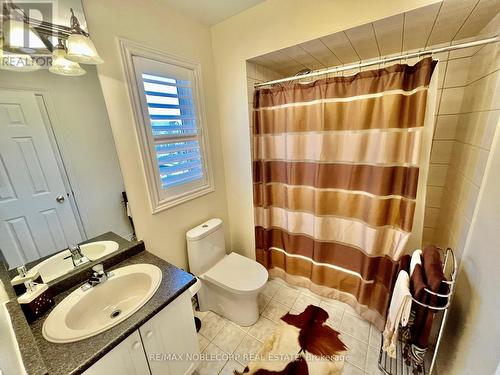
{"x": 301, "y": 345}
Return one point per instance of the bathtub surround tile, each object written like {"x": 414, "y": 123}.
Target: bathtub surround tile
{"x": 446, "y": 127}
{"x": 457, "y": 72}
{"x": 451, "y": 100}
{"x": 212, "y": 325}
{"x": 356, "y": 327}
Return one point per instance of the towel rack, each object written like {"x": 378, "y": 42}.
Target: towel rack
{"x": 399, "y": 365}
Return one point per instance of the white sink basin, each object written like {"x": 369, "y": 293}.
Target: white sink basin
{"x": 84, "y": 314}
{"x": 56, "y": 266}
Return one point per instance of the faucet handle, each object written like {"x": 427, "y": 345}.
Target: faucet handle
{"x": 74, "y": 248}
{"x": 98, "y": 268}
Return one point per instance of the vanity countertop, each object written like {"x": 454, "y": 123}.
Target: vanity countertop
{"x": 42, "y": 357}
{"x": 76, "y": 357}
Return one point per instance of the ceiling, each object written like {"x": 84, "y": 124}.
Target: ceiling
{"x": 444, "y": 22}
{"x": 210, "y": 12}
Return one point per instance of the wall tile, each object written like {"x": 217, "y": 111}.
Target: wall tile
{"x": 428, "y": 236}
{"x": 457, "y": 72}
{"x": 434, "y": 196}
{"x": 437, "y": 175}
{"x": 441, "y": 151}
{"x": 451, "y": 100}
{"x": 446, "y": 127}
{"x": 431, "y": 217}
{"x": 491, "y": 121}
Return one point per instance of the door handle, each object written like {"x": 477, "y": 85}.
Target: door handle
{"x": 149, "y": 334}
{"x": 60, "y": 199}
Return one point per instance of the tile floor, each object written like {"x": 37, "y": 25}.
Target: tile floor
{"x": 220, "y": 336}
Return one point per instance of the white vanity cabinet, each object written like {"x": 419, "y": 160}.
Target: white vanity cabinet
{"x": 170, "y": 340}
{"x": 161, "y": 346}
{"x": 128, "y": 358}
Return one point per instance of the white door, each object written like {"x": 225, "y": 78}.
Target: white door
{"x": 36, "y": 217}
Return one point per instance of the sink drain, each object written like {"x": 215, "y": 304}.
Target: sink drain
{"x": 115, "y": 313}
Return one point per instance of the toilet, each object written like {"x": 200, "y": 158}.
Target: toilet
{"x": 230, "y": 284}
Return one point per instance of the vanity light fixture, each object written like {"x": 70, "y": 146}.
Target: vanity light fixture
{"x": 81, "y": 49}
{"x": 61, "y": 65}
{"x": 18, "y": 28}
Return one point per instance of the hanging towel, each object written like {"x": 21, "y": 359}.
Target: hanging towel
{"x": 428, "y": 275}
{"x": 416, "y": 258}
{"x": 399, "y": 313}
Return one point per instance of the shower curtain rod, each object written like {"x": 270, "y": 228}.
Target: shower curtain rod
{"x": 320, "y": 72}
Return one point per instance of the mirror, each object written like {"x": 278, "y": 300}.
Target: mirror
{"x": 60, "y": 180}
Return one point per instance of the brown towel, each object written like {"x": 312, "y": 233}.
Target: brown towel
{"x": 429, "y": 275}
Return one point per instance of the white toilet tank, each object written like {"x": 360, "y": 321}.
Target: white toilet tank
{"x": 205, "y": 245}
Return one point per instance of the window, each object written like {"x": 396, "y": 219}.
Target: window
{"x": 170, "y": 120}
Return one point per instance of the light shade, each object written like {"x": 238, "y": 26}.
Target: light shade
{"x": 82, "y": 50}
{"x": 17, "y": 62}
{"x": 63, "y": 66}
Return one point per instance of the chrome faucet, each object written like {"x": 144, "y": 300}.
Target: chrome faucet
{"x": 76, "y": 256}
{"x": 98, "y": 277}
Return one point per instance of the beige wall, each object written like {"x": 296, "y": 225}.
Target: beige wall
{"x": 81, "y": 127}
{"x": 155, "y": 24}
{"x": 267, "y": 27}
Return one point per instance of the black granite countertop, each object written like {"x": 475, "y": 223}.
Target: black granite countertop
{"x": 74, "y": 358}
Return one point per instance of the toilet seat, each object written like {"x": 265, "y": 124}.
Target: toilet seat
{"x": 237, "y": 274}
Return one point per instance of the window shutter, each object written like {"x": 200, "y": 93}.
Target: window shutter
{"x": 172, "y": 118}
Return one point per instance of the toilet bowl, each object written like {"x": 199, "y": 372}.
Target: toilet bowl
{"x": 230, "y": 284}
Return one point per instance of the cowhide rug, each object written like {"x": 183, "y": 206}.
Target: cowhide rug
{"x": 302, "y": 344}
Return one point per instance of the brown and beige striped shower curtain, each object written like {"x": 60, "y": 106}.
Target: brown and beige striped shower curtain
{"x": 335, "y": 171}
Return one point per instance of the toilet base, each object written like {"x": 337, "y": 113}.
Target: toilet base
{"x": 242, "y": 309}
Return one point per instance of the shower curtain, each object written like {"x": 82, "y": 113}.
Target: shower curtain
{"x": 339, "y": 172}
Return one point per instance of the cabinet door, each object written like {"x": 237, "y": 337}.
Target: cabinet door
{"x": 170, "y": 339}
{"x": 127, "y": 358}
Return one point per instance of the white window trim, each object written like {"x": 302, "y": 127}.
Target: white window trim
{"x": 128, "y": 50}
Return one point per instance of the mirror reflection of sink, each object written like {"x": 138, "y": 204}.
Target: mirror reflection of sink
{"x": 83, "y": 314}
{"x": 56, "y": 265}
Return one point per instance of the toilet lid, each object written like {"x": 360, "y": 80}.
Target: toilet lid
{"x": 238, "y": 273}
